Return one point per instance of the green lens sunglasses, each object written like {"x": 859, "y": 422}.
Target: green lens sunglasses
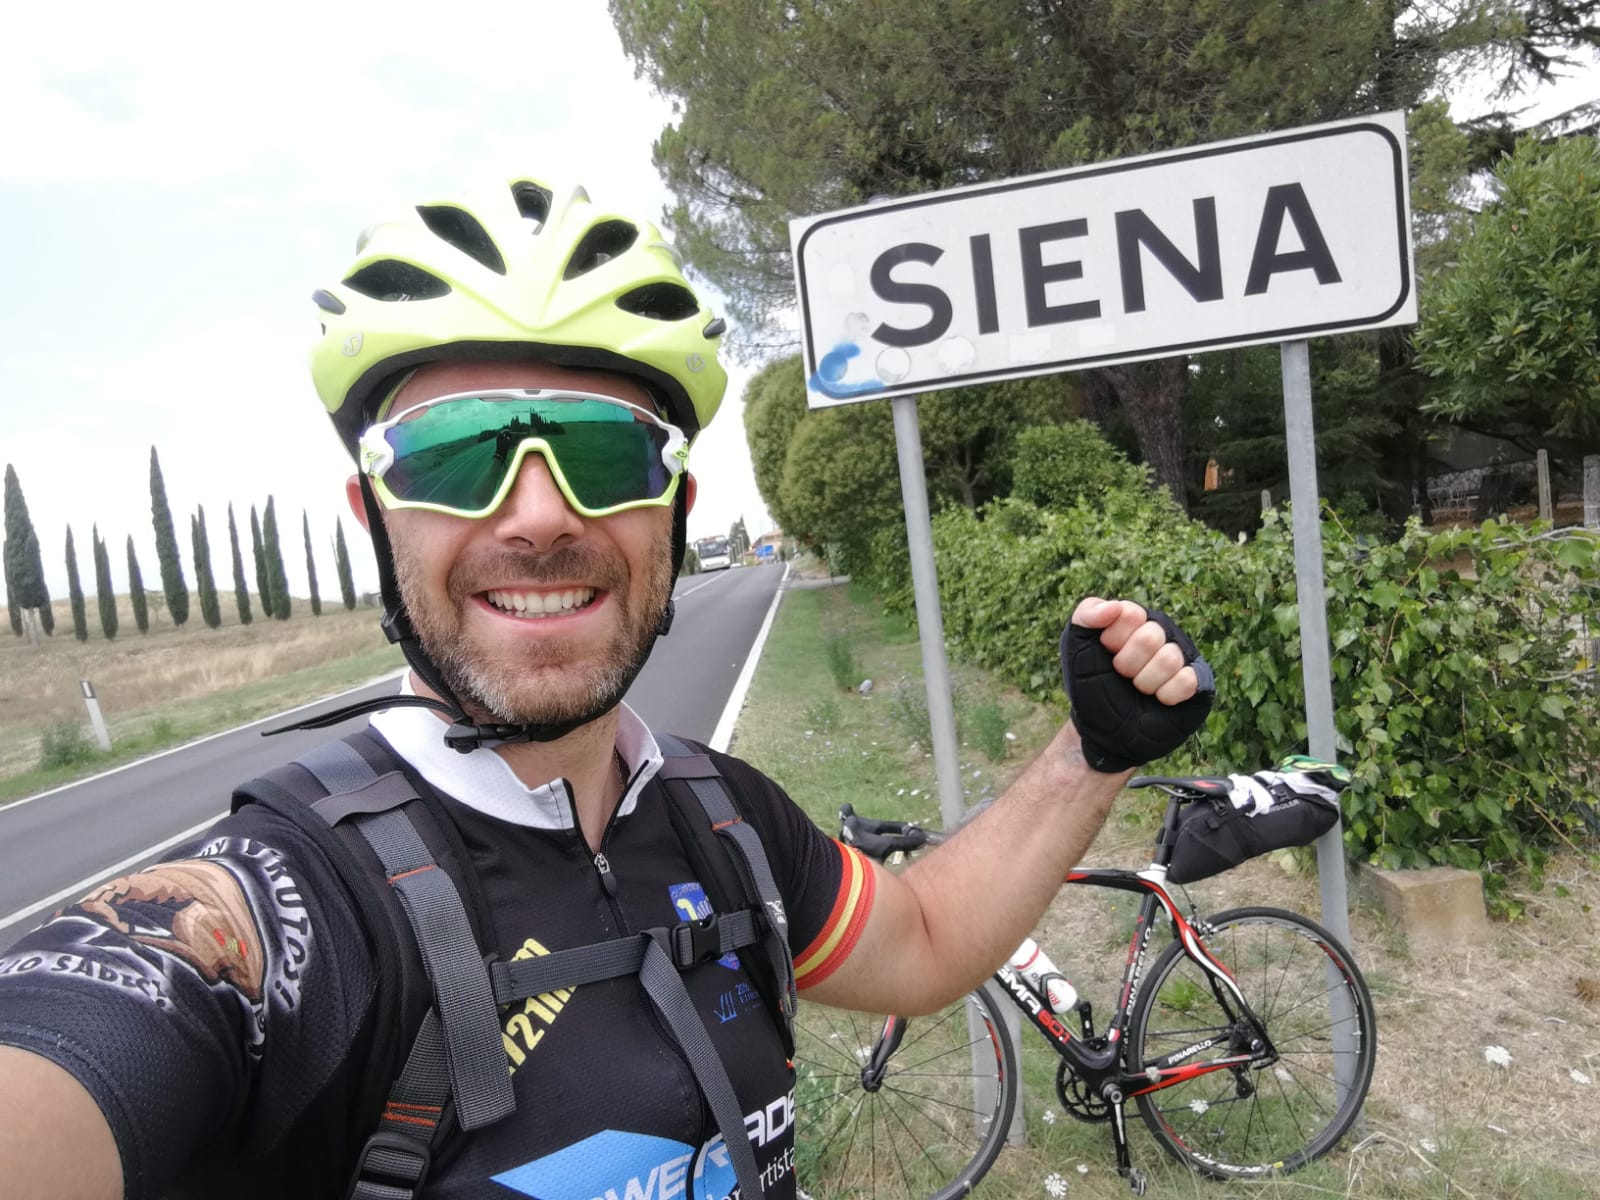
{"x": 460, "y": 454}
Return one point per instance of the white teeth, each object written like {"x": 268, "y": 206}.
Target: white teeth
{"x": 540, "y": 604}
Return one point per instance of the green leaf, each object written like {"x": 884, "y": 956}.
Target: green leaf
{"x": 1385, "y": 594}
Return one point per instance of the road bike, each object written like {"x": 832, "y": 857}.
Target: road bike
{"x": 1246, "y": 1040}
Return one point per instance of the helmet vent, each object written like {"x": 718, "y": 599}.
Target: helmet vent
{"x": 392, "y": 280}
{"x": 462, "y": 230}
{"x": 533, "y": 202}
{"x": 601, "y": 244}
{"x": 660, "y": 302}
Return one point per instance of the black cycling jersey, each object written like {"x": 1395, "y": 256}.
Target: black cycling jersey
{"x": 218, "y": 1009}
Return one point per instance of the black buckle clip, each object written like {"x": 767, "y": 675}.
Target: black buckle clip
{"x": 395, "y": 1159}
{"x": 693, "y": 942}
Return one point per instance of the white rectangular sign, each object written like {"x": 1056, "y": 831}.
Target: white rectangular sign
{"x": 1264, "y": 239}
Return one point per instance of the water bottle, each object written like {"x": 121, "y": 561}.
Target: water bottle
{"x": 1034, "y": 965}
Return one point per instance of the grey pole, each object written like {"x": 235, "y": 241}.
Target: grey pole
{"x": 930, "y": 619}
{"x": 1547, "y": 510}
{"x": 1316, "y": 671}
{"x": 102, "y": 735}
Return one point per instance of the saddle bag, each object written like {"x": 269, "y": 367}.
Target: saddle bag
{"x": 1267, "y": 811}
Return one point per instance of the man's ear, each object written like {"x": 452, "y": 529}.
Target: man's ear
{"x": 690, "y": 490}
{"x": 352, "y": 496}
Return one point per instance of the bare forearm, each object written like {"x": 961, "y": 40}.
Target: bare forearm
{"x": 54, "y": 1142}
{"x": 943, "y": 925}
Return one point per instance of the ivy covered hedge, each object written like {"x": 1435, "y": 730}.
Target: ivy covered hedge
{"x": 1462, "y": 699}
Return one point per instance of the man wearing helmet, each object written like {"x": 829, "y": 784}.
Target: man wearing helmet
{"x": 520, "y": 377}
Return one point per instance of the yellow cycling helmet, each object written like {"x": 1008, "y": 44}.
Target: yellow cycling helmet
{"x": 522, "y": 271}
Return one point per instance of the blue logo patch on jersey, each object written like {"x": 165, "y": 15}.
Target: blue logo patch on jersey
{"x": 690, "y": 902}
{"x": 614, "y": 1165}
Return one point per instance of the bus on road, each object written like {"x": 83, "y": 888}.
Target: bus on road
{"x": 713, "y": 554}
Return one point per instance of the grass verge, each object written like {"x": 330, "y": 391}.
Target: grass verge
{"x": 1441, "y": 1120}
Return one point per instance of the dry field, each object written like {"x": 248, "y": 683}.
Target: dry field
{"x": 187, "y": 678}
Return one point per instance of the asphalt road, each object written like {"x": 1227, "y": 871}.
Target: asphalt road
{"x": 57, "y": 845}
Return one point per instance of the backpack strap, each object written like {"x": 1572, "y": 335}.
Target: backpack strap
{"x": 742, "y": 844}
{"x": 458, "y": 1052}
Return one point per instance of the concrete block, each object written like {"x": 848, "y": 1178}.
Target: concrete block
{"x": 1434, "y": 907}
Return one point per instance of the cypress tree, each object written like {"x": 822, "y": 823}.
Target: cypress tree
{"x": 103, "y": 594}
{"x": 47, "y": 611}
{"x": 341, "y": 562}
{"x": 136, "y": 596}
{"x": 13, "y": 611}
{"x": 269, "y": 604}
{"x": 80, "y": 619}
{"x": 204, "y": 581}
{"x": 24, "y": 568}
{"x": 276, "y": 580}
{"x": 172, "y": 581}
{"x": 240, "y": 593}
{"x": 311, "y": 563}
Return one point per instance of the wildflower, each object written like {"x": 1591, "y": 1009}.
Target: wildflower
{"x": 1055, "y": 1185}
{"x": 1431, "y": 1146}
{"x": 1199, "y": 1107}
{"x": 1497, "y": 1056}
{"x": 1048, "y": 1116}
{"x": 1579, "y": 1077}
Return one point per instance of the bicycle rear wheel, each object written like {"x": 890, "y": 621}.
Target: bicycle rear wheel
{"x": 1279, "y": 1112}
{"x": 934, "y": 1125}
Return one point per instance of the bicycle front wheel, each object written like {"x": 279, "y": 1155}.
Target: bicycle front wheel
{"x": 932, "y": 1126}
{"x": 1288, "y": 1106}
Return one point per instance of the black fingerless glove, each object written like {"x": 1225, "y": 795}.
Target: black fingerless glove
{"x": 1119, "y": 725}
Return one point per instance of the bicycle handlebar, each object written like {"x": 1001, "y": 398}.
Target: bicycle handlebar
{"x": 879, "y": 839}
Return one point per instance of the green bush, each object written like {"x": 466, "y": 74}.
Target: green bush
{"x": 65, "y": 745}
{"x": 1058, "y": 465}
{"x": 1458, "y": 703}
{"x": 984, "y": 726}
{"x": 842, "y": 663}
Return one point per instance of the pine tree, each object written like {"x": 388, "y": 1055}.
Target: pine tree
{"x": 103, "y": 593}
{"x": 80, "y": 620}
{"x": 172, "y": 581}
{"x": 204, "y": 581}
{"x": 277, "y": 583}
{"x": 24, "y": 568}
{"x": 240, "y": 593}
{"x": 341, "y": 560}
{"x": 269, "y": 603}
{"x": 311, "y": 563}
{"x": 136, "y": 596}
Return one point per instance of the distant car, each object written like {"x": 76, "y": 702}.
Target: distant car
{"x": 713, "y": 554}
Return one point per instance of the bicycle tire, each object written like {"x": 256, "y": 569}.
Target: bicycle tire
{"x": 1269, "y": 1119}
{"x": 925, "y": 1134}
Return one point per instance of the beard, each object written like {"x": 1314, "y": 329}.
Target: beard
{"x": 549, "y": 683}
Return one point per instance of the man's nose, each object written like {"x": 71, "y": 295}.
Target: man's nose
{"x": 535, "y": 511}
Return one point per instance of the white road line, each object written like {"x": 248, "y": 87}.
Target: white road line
{"x": 706, "y": 584}
{"x": 73, "y": 890}
{"x": 277, "y": 716}
{"x": 723, "y": 734}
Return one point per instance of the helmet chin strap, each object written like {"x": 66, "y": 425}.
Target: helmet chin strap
{"x": 465, "y": 735}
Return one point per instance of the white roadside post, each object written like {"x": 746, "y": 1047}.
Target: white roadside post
{"x": 1258, "y": 241}
{"x": 102, "y": 735}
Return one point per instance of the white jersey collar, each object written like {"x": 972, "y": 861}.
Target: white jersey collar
{"x": 482, "y": 780}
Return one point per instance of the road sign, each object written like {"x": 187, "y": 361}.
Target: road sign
{"x": 1265, "y": 239}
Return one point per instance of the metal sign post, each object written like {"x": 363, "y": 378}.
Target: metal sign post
{"x": 930, "y": 617}
{"x": 1317, "y": 673}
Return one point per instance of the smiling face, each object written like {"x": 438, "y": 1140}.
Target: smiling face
{"x": 534, "y": 613}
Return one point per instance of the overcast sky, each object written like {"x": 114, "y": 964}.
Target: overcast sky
{"x": 176, "y": 179}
